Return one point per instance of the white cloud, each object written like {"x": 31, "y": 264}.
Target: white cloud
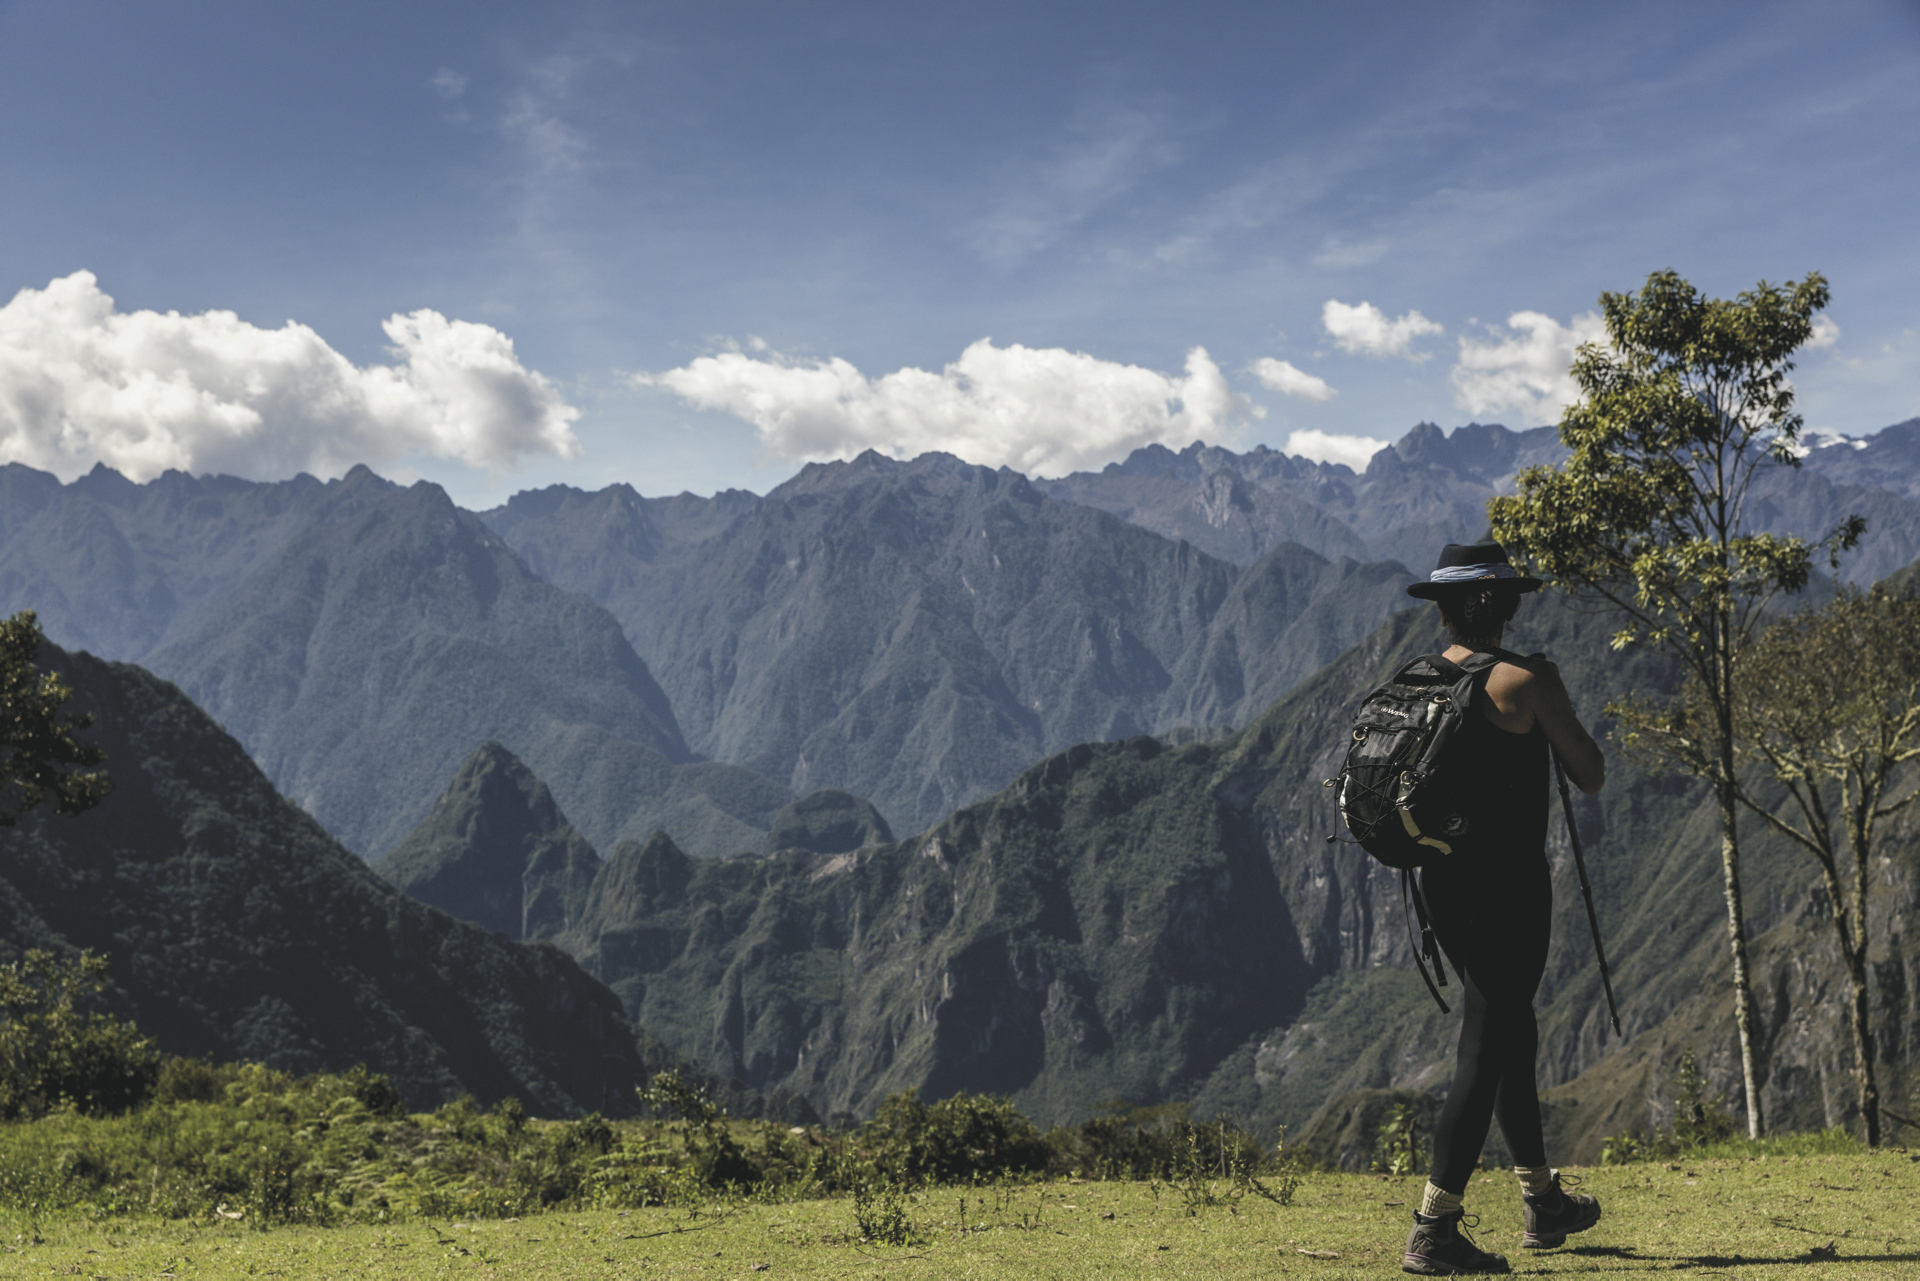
{"x": 81, "y": 382}
{"x": 1825, "y": 332}
{"x": 1527, "y": 372}
{"x": 1043, "y": 411}
{"x": 1366, "y": 330}
{"x": 1283, "y": 377}
{"x": 448, "y": 83}
{"x": 1324, "y": 447}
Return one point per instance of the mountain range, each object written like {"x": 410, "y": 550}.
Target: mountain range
{"x": 919, "y": 632}
{"x": 1431, "y": 487}
{"x": 766, "y": 768}
{"x": 1152, "y": 921}
{"x": 913, "y": 633}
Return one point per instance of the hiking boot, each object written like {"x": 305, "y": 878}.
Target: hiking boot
{"x": 1437, "y": 1248}
{"x": 1555, "y": 1214}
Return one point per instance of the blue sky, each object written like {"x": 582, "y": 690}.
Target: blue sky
{"x": 720, "y": 198}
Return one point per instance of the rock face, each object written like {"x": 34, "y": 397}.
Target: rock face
{"x": 919, "y": 632}
{"x": 236, "y": 928}
{"x": 362, "y": 640}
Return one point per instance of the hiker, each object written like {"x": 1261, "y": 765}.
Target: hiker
{"x": 1491, "y": 904}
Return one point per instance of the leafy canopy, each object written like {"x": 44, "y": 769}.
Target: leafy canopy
{"x": 53, "y": 1052}
{"x": 1687, "y": 399}
{"x": 38, "y": 752}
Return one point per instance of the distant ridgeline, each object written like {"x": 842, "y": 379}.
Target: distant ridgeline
{"x": 915, "y": 633}
{"x": 1132, "y": 920}
{"x": 918, "y": 633}
{"x": 237, "y": 929}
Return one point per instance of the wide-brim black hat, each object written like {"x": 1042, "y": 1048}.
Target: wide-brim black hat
{"x": 1473, "y": 565}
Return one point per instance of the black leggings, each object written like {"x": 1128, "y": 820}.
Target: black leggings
{"x": 1494, "y": 927}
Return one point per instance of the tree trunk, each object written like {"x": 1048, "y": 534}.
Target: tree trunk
{"x": 1726, "y": 789}
{"x": 1854, "y": 950}
{"x": 1743, "y": 1013}
{"x": 1863, "y": 1046}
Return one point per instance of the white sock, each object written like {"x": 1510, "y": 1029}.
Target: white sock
{"x": 1438, "y": 1201}
{"x": 1534, "y": 1179}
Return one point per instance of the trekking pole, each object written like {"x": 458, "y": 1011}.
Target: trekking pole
{"x": 1586, "y": 890}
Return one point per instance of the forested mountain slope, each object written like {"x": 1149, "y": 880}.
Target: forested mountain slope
{"x": 237, "y": 928}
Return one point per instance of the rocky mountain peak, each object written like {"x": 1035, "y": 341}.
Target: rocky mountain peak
{"x": 496, "y": 850}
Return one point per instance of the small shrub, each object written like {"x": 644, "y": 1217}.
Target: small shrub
{"x": 880, "y": 1214}
{"x": 1699, "y": 1122}
{"x": 701, "y": 1123}
{"x": 1398, "y": 1148}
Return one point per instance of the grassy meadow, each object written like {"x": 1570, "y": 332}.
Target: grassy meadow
{"x": 1843, "y": 1212}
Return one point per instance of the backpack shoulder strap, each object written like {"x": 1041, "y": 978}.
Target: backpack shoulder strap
{"x": 1477, "y": 662}
{"x": 1445, "y": 668}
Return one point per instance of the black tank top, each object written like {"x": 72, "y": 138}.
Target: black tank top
{"x": 1511, "y": 811}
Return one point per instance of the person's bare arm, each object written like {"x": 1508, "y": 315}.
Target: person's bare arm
{"x": 1552, "y": 707}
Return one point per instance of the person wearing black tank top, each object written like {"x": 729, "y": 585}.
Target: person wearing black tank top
{"x": 1491, "y": 903}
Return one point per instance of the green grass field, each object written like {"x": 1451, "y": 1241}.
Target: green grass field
{"x": 1853, "y": 1215}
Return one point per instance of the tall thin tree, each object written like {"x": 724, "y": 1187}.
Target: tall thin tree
{"x": 1687, "y": 399}
{"x": 1827, "y": 716}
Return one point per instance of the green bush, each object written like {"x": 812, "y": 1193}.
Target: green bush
{"x": 1122, "y": 1141}
{"x": 53, "y": 1053}
{"x": 964, "y": 1138}
{"x": 1700, "y": 1122}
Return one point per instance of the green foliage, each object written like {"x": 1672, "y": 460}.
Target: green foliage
{"x": 1210, "y": 1163}
{"x": 1399, "y": 1148}
{"x": 55, "y": 1053}
{"x": 965, "y": 1137}
{"x": 1649, "y": 515}
{"x": 244, "y": 1143}
{"x": 39, "y": 755}
{"x": 1687, "y": 399}
{"x": 718, "y": 1158}
{"x": 880, "y": 1214}
{"x": 1700, "y": 1122}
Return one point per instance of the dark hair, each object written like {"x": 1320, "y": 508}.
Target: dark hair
{"x": 1475, "y": 615}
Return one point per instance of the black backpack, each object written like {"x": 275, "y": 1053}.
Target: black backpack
{"x": 1400, "y": 794}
